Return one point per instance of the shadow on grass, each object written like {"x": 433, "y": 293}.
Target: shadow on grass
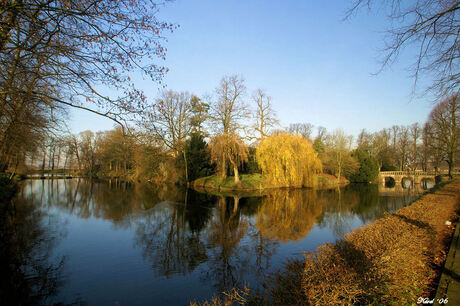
{"x": 417, "y": 223}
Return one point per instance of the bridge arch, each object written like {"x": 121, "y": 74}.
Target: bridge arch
{"x": 407, "y": 182}
{"x": 427, "y": 182}
{"x": 389, "y": 182}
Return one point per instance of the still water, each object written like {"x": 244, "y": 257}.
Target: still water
{"x": 101, "y": 243}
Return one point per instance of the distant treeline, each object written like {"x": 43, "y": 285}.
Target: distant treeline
{"x": 182, "y": 137}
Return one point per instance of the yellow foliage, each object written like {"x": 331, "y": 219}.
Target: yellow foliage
{"x": 288, "y": 161}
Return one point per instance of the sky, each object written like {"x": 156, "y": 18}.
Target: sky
{"x": 316, "y": 66}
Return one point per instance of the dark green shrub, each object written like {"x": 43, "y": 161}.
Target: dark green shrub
{"x": 368, "y": 170}
{"x": 198, "y": 158}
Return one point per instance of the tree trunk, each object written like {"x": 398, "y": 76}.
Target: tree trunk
{"x": 224, "y": 167}
{"x": 44, "y": 162}
{"x": 78, "y": 160}
{"x": 13, "y": 173}
{"x": 186, "y": 166}
{"x": 52, "y": 159}
{"x": 65, "y": 163}
{"x": 339, "y": 166}
{"x": 235, "y": 173}
{"x": 58, "y": 157}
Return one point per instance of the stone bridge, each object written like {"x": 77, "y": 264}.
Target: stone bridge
{"x": 398, "y": 176}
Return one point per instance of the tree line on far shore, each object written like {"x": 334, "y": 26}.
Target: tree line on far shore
{"x": 183, "y": 137}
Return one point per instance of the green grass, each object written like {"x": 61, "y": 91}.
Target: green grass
{"x": 247, "y": 182}
{"x": 252, "y": 182}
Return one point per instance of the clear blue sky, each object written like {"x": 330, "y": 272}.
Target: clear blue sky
{"x": 317, "y": 67}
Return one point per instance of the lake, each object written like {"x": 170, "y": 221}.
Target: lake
{"x": 113, "y": 243}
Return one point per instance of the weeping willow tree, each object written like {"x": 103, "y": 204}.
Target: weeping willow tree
{"x": 228, "y": 149}
{"x": 288, "y": 161}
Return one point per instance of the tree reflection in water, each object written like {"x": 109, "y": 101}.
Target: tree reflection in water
{"x": 228, "y": 258}
{"x": 341, "y": 207}
{"x": 27, "y": 237}
{"x": 288, "y": 215}
{"x": 167, "y": 241}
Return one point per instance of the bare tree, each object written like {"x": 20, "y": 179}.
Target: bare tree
{"x": 381, "y": 148}
{"x": 432, "y": 154}
{"x": 403, "y": 147}
{"x": 394, "y": 134}
{"x": 444, "y": 120}
{"x": 56, "y": 54}
{"x": 365, "y": 141}
{"x": 227, "y": 114}
{"x": 321, "y": 132}
{"x": 229, "y": 111}
{"x": 303, "y": 129}
{"x": 69, "y": 47}
{"x": 88, "y": 148}
{"x": 415, "y": 133}
{"x": 171, "y": 121}
{"x": 337, "y": 157}
{"x": 432, "y": 27}
{"x": 265, "y": 116}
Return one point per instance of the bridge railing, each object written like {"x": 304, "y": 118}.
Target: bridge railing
{"x": 412, "y": 173}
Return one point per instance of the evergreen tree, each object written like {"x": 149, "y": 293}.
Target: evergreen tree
{"x": 199, "y": 160}
{"x": 368, "y": 170}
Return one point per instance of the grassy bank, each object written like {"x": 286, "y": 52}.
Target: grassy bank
{"x": 255, "y": 182}
{"x": 247, "y": 182}
{"x": 394, "y": 260}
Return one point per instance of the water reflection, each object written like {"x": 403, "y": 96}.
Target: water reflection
{"x": 427, "y": 183}
{"x": 185, "y": 236}
{"x": 29, "y": 273}
{"x": 229, "y": 259}
{"x": 407, "y": 183}
{"x": 165, "y": 241}
{"x": 287, "y": 215}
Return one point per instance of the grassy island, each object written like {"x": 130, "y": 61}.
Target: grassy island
{"x": 249, "y": 182}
